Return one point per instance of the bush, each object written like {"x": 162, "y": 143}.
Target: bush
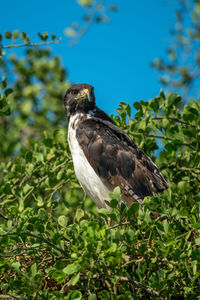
{"x": 55, "y": 245}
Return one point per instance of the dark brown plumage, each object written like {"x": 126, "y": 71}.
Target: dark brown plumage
{"x": 114, "y": 157}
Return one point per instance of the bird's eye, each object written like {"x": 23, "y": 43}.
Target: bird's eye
{"x": 74, "y": 92}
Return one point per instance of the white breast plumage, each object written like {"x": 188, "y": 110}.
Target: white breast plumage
{"x": 91, "y": 183}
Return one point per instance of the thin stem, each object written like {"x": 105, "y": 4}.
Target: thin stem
{"x": 176, "y": 120}
{"x": 197, "y": 176}
{"x": 35, "y": 236}
{"x": 140, "y": 285}
{"x": 8, "y": 296}
{"x": 2, "y": 216}
{"x": 117, "y": 225}
{"x": 164, "y": 138}
{"x": 90, "y": 18}
{"x": 30, "y": 44}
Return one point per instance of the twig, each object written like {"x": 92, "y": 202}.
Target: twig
{"x": 197, "y": 176}
{"x": 140, "y": 285}
{"x": 60, "y": 165}
{"x": 164, "y": 138}
{"x": 30, "y": 44}
{"x": 117, "y": 225}
{"x": 11, "y": 254}
{"x": 8, "y": 296}
{"x": 126, "y": 279}
{"x": 88, "y": 22}
{"x": 35, "y": 236}
{"x": 2, "y": 216}
{"x": 31, "y": 190}
{"x": 176, "y": 120}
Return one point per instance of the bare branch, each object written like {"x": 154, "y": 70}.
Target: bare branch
{"x": 35, "y": 236}
{"x": 88, "y": 21}
{"x": 140, "y": 285}
{"x": 117, "y": 225}
{"x": 30, "y": 44}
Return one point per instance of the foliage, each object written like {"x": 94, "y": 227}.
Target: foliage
{"x": 53, "y": 242}
{"x": 180, "y": 68}
{"x": 31, "y": 91}
{"x": 95, "y": 12}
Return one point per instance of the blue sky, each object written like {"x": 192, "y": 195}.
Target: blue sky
{"x": 115, "y": 58}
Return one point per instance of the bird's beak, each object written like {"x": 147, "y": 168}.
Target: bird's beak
{"x": 84, "y": 93}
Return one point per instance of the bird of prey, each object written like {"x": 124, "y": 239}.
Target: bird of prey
{"x": 104, "y": 156}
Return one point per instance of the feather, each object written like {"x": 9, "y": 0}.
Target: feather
{"x": 117, "y": 160}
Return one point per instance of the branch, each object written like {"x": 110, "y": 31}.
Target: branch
{"x": 126, "y": 279}
{"x": 2, "y": 216}
{"x": 8, "y": 296}
{"x": 140, "y": 285}
{"x": 176, "y": 120}
{"x": 23, "y": 251}
{"x": 88, "y": 21}
{"x": 30, "y": 44}
{"x": 117, "y": 225}
{"x": 164, "y": 138}
{"x": 35, "y": 236}
{"x": 197, "y": 176}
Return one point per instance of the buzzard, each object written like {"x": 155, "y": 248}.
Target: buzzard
{"x": 104, "y": 156}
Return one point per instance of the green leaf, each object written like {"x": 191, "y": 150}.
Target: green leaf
{"x": 23, "y": 36}
{"x": 27, "y": 188}
{"x": 174, "y": 99}
{"x": 16, "y": 266}
{"x": 137, "y": 105}
{"x": 85, "y": 2}
{"x": 15, "y": 34}
{"x": 194, "y": 267}
{"x": 7, "y": 92}
{"x": 92, "y": 297}
{"x": 71, "y": 269}
{"x": 39, "y": 227}
{"x": 197, "y": 241}
{"x": 45, "y": 35}
{"x": 79, "y": 214}
{"x": 154, "y": 105}
{"x": 194, "y": 111}
{"x": 3, "y": 84}
{"x": 62, "y": 221}
{"x": 112, "y": 203}
{"x": 33, "y": 270}
{"x": 75, "y": 279}
{"x": 74, "y": 295}
{"x": 112, "y": 248}
{"x": 166, "y": 226}
{"x": 104, "y": 295}
{"x": 8, "y": 34}
{"x": 53, "y": 37}
{"x": 162, "y": 94}
{"x": 133, "y": 209}
{"x": 116, "y": 194}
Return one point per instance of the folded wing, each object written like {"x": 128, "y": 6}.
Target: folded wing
{"x": 118, "y": 161}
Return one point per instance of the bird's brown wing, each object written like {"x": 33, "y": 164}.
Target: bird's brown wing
{"x": 118, "y": 161}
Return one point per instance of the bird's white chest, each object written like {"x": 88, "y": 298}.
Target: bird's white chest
{"x": 87, "y": 177}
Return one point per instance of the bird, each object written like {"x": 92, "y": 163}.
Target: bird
{"x": 104, "y": 156}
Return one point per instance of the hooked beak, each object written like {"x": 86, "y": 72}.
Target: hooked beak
{"x": 84, "y": 93}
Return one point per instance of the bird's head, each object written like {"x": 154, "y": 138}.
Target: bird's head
{"x": 79, "y": 98}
